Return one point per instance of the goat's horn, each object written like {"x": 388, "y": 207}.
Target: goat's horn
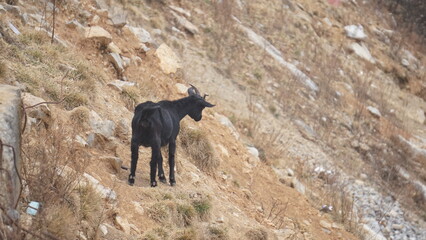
{"x": 205, "y": 95}
{"x": 196, "y": 90}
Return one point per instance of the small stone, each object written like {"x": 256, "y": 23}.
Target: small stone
{"x": 103, "y": 229}
{"x": 137, "y": 60}
{"x": 220, "y": 219}
{"x": 118, "y": 21}
{"x": 374, "y": 111}
{"x": 397, "y": 226}
{"x": 325, "y": 224}
{"x": 190, "y": 27}
{"x": 114, "y": 48}
{"x": 290, "y": 172}
{"x": 126, "y": 62}
{"x": 405, "y": 62}
{"x": 253, "y": 151}
{"x": 123, "y": 224}
{"x": 115, "y": 162}
{"x": 118, "y": 85}
{"x": 355, "y": 32}
{"x": 95, "y": 20}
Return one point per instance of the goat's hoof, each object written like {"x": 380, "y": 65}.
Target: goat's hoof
{"x": 172, "y": 183}
{"x": 153, "y": 184}
{"x": 163, "y": 180}
{"x": 131, "y": 180}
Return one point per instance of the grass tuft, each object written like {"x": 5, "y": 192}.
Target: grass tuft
{"x": 198, "y": 147}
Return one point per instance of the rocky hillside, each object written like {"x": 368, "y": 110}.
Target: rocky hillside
{"x": 318, "y": 130}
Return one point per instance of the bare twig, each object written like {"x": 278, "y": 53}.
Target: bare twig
{"x": 54, "y": 21}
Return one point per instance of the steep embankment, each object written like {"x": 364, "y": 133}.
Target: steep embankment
{"x": 302, "y": 93}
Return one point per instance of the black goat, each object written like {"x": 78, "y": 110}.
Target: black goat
{"x": 157, "y": 124}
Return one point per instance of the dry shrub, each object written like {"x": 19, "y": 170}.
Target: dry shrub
{"x": 256, "y": 234}
{"x": 3, "y": 69}
{"x": 79, "y": 117}
{"x": 202, "y": 207}
{"x": 186, "y": 234}
{"x": 161, "y": 211}
{"x": 185, "y": 214}
{"x": 198, "y": 147}
{"x": 52, "y": 169}
{"x": 180, "y": 214}
{"x": 218, "y": 233}
{"x": 59, "y": 221}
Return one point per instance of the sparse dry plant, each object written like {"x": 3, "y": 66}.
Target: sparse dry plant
{"x": 256, "y": 234}
{"x": 198, "y": 147}
{"x": 52, "y": 170}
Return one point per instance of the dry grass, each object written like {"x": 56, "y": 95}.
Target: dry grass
{"x": 256, "y": 234}
{"x": 52, "y": 170}
{"x": 198, "y": 147}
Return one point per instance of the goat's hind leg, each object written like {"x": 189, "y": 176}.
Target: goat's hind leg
{"x": 172, "y": 150}
{"x": 155, "y": 159}
{"x": 135, "y": 155}
{"x": 161, "y": 175}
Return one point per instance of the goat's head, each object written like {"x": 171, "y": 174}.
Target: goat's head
{"x": 200, "y": 103}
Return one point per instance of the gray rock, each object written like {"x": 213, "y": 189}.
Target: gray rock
{"x": 85, "y": 14}
{"x": 74, "y": 24}
{"x": 114, "y": 162}
{"x": 13, "y": 28}
{"x": 118, "y": 85}
{"x": 118, "y": 21}
{"x": 169, "y": 61}
{"x": 41, "y": 112}
{"x": 104, "y": 127}
{"x": 325, "y": 224}
{"x": 126, "y": 61}
{"x": 98, "y": 34}
{"x": 10, "y": 133}
{"x": 117, "y": 62}
{"x": 355, "y": 32}
{"x": 101, "y": 4}
{"x": 105, "y": 192}
{"x": 253, "y": 151}
{"x": 296, "y": 184}
{"x": 180, "y": 11}
{"x": 306, "y": 130}
{"x": 187, "y": 25}
{"x": 142, "y": 34}
{"x": 362, "y": 51}
{"x": 104, "y": 229}
{"x": 15, "y": 10}
{"x": 36, "y": 17}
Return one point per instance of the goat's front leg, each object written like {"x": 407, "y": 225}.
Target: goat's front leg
{"x": 134, "y": 147}
{"x": 172, "y": 150}
{"x": 161, "y": 171}
{"x": 155, "y": 159}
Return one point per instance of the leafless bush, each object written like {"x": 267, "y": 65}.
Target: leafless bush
{"x": 275, "y": 212}
{"x": 52, "y": 169}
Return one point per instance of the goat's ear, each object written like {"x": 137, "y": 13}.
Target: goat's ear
{"x": 207, "y": 104}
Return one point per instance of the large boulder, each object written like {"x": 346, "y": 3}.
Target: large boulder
{"x": 98, "y": 34}
{"x": 10, "y": 155}
{"x": 169, "y": 61}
